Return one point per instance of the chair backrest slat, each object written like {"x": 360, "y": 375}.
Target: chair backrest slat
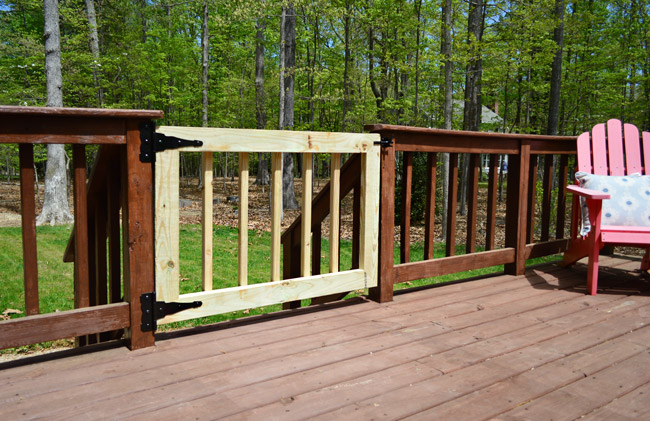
{"x": 646, "y": 152}
{"x": 632, "y": 149}
{"x": 584, "y": 153}
{"x": 599, "y": 150}
{"x": 615, "y": 147}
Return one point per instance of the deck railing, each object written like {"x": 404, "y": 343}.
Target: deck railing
{"x": 119, "y": 181}
{"x": 521, "y": 207}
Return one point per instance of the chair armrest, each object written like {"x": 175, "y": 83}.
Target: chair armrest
{"x": 589, "y": 194}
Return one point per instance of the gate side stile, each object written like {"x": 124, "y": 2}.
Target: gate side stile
{"x": 369, "y": 244}
{"x": 167, "y": 225}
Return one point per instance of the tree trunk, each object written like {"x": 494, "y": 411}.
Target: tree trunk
{"x": 445, "y": 50}
{"x": 94, "y": 49}
{"x": 346, "y": 64}
{"x": 288, "y": 49}
{"x": 55, "y": 203}
{"x": 205, "y": 45}
{"x": 260, "y": 99}
{"x": 472, "y": 109}
{"x": 556, "y": 71}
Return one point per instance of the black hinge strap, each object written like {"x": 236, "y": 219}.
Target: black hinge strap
{"x": 153, "y": 310}
{"x": 152, "y": 142}
{"x": 385, "y": 142}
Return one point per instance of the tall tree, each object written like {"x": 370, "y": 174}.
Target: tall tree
{"x": 556, "y": 70}
{"x": 447, "y": 111}
{"x": 472, "y": 109}
{"x": 55, "y": 201}
{"x": 205, "y": 60}
{"x": 286, "y": 121}
{"x": 94, "y": 49}
{"x": 260, "y": 98}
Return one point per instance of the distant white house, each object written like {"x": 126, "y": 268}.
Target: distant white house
{"x": 488, "y": 117}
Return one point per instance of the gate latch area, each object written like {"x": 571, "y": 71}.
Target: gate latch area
{"x": 153, "y": 310}
{"x": 152, "y": 142}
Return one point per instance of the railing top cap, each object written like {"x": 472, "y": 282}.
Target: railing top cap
{"x": 80, "y": 112}
{"x": 395, "y": 129}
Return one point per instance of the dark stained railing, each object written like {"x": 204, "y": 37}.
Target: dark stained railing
{"x": 522, "y": 152}
{"x": 119, "y": 180}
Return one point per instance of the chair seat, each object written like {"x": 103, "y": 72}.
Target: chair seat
{"x": 632, "y": 236}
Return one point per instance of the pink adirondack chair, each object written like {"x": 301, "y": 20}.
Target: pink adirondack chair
{"x": 611, "y": 150}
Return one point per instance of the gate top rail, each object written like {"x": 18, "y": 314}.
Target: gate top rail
{"x": 253, "y": 140}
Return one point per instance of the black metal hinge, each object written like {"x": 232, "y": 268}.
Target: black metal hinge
{"x": 385, "y": 142}
{"x": 152, "y": 142}
{"x": 153, "y": 310}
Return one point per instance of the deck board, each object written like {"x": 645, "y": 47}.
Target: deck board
{"x": 531, "y": 346}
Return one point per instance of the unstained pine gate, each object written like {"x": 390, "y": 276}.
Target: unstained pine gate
{"x": 276, "y": 290}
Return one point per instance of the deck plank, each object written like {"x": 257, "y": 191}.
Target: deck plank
{"x": 506, "y": 346}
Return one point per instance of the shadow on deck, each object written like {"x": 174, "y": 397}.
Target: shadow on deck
{"x": 531, "y": 346}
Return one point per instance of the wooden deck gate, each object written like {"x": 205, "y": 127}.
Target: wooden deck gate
{"x": 276, "y": 290}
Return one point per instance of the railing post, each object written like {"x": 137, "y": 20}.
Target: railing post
{"x": 383, "y": 292}
{"x": 138, "y": 230}
{"x": 517, "y": 207}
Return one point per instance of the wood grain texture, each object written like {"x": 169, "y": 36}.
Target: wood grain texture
{"x": 430, "y": 209}
{"x": 405, "y": 224}
{"x": 305, "y": 232}
{"x": 531, "y": 198}
{"x": 491, "y": 224}
{"x": 138, "y": 231}
{"x": 48, "y": 129}
{"x": 276, "y": 213}
{"x": 452, "y": 198}
{"x": 64, "y": 324}
{"x": 384, "y": 291}
{"x": 369, "y": 211}
{"x": 167, "y": 225}
{"x": 443, "y": 266}
{"x": 335, "y": 211}
{"x": 81, "y": 272}
{"x": 547, "y": 195}
{"x": 250, "y": 140}
{"x": 242, "y": 258}
{"x": 257, "y": 295}
{"x": 7, "y": 110}
{"x": 206, "y": 222}
{"x": 472, "y": 202}
{"x": 28, "y": 223}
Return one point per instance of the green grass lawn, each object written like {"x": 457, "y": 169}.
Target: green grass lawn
{"x": 56, "y": 278}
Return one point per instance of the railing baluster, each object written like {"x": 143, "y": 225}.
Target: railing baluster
{"x": 491, "y": 225}
{"x": 101, "y": 264}
{"x": 356, "y": 225}
{"x": 81, "y": 277}
{"x": 472, "y": 202}
{"x": 28, "y": 214}
{"x": 450, "y": 246}
{"x": 276, "y": 214}
{"x": 243, "y": 219}
{"x": 114, "y": 238}
{"x": 561, "y": 197}
{"x": 532, "y": 190}
{"x": 430, "y": 212}
{"x": 335, "y": 211}
{"x": 405, "y": 229}
{"x": 206, "y": 221}
{"x": 305, "y": 239}
{"x": 547, "y": 196}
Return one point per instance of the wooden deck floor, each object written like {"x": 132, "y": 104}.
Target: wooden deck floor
{"x": 529, "y": 347}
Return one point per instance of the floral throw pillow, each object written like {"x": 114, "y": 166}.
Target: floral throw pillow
{"x": 630, "y": 199}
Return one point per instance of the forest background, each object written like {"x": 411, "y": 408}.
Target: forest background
{"x": 356, "y": 62}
